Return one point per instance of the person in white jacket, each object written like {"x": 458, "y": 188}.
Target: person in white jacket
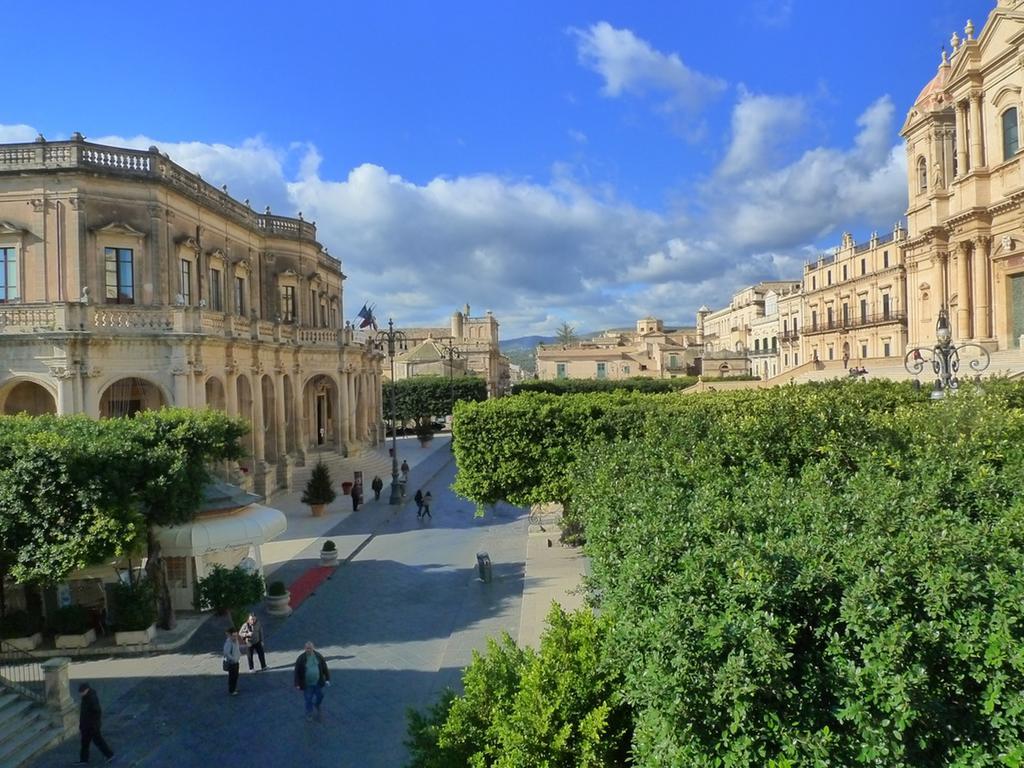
{"x": 232, "y": 658}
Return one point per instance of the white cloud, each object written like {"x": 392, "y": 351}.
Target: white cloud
{"x": 761, "y": 126}
{"x": 630, "y": 64}
{"x": 16, "y": 134}
{"x": 540, "y": 252}
{"x": 825, "y": 189}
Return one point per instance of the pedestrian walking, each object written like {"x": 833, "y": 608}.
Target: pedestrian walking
{"x": 427, "y": 498}
{"x": 251, "y": 634}
{"x": 90, "y": 718}
{"x": 418, "y": 498}
{"x": 405, "y": 471}
{"x": 357, "y": 496}
{"x": 232, "y": 658}
{"x": 377, "y": 485}
{"x": 311, "y": 677}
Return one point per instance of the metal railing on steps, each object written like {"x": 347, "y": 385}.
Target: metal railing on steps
{"x": 22, "y": 672}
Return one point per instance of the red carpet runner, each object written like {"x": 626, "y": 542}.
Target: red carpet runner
{"x": 307, "y": 584}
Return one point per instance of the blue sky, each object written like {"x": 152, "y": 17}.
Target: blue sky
{"x": 589, "y": 162}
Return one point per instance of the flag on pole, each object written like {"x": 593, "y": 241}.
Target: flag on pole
{"x": 367, "y": 318}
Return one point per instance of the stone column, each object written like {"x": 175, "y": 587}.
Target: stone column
{"x": 180, "y": 387}
{"x": 961, "y": 139}
{"x": 339, "y": 411}
{"x": 231, "y": 391}
{"x": 343, "y": 410}
{"x": 977, "y": 148}
{"x": 279, "y": 420}
{"x": 258, "y": 421}
{"x": 963, "y": 300}
{"x": 299, "y": 413}
{"x": 362, "y": 410}
{"x": 982, "y": 289}
{"x": 352, "y": 427}
{"x": 58, "y": 692}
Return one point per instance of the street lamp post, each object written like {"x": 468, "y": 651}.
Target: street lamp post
{"x": 944, "y": 357}
{"x": 450, "y": 351}
{"x": 395, "y": 341}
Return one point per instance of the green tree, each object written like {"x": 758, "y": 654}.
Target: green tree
{"x": 558, "y": 706}
{"x": 76, "y": 491}
{"x": 421, "y": 398}
{"x": 319, "y": 488}
{"x": 566, "y": 334}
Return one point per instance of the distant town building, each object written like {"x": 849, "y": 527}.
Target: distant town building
{"x": 478, "y": 351}
{"x": 650, "y": 350}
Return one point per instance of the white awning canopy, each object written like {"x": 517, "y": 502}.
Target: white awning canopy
{"x": 253, "y": 525}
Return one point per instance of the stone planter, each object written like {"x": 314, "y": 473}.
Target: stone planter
{"x": 329, "y": 557}
{"x": 136, "y": 637}
{"x": 317, "y": 509}
{"x": 29, "y": 643}
{"x": 277, "y": 605}
{"x": 83, "y": 640}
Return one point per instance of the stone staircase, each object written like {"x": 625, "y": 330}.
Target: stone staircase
{"x": 370, "y": 461}
{"x": 27, "y": 728}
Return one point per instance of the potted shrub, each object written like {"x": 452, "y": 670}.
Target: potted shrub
{"x": 424, "y": 431}
{"x": 319, "y": 490}
{"x": 134, "y": 613}
{"x": 329, "y": 553}
{"x": 224, "y": 590}
{"x": 20, "y": 631}
{"x": 277, "y": 599}
{"x": 72, "y": 626}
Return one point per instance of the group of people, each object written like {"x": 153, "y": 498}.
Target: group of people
{"x": 310, "y": 670}
{"x": 423, "y": 501}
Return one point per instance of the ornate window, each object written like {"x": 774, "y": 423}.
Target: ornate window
{"x": 119, "y": 275}
{"x": 287, "y": 303}
{"x": 186, "y": 281}
{"x": 9, "y": 275}
{"x": 217, "y": 290}
{"x": 1011, "y": 133}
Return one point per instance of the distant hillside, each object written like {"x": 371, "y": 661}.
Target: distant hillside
{"x": 525, "y": 342}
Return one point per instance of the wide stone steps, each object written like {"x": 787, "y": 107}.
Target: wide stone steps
{"x": 26, "y": 729}
{"x": 370, "y": 462}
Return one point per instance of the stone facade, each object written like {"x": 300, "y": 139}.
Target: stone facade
{"x": 650, "y": 351}
{"x": 478, "y": 351}
{"x": 130, "y": 283}
{"x": 966, "y": 245}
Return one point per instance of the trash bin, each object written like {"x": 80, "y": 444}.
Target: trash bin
{"x": 483, "y": 564}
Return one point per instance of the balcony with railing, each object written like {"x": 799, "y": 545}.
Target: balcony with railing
{"x": 858, "y": 321}
{"x": 131, "y": 320}
{"x": 78, "y": 154}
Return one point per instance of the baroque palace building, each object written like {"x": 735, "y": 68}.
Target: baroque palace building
{"x": 468, "y": 347}
{"x": 127, "y": 282}
{"x": 864, "y": 305}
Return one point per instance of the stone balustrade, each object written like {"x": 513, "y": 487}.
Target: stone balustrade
{"x": 79, "y": 154}
{"x": 128, "y": 319}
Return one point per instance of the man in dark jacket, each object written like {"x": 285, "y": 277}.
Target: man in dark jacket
{"x": 89, "y": 722}
{"x": 311, "y": 676}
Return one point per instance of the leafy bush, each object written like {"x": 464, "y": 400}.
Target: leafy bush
{"x": 134, "y": 606}
{"x": 329, "y": 546}
{"x": 19, "y": 624}
{"x": 319, "y": 487}
{"x": 845, "y": 598}
{"x": 277, "y": 589}
{"x": 71, "y": 620}
{"x": 224, "y": 590}
{"x": 558, "y": 706}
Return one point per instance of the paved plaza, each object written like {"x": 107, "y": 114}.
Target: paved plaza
{"x": 397, "y": 621}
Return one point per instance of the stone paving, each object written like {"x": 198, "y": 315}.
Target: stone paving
{"x": 397, "y": 622}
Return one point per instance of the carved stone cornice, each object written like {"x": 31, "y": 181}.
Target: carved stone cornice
{"x": 187, "y": 241}
{"x": 119, "y": 228}
{"x": 7, "y": 228}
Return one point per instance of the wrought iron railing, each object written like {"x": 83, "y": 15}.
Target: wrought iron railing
{"x": 22, "y": 672}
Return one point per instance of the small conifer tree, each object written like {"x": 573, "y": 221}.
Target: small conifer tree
{"x": 319, "y": 488}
